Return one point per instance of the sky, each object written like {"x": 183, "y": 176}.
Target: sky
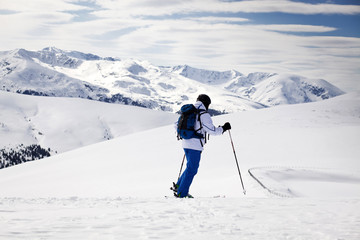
{"x": 312, "y": 38}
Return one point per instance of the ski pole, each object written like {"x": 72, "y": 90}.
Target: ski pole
{"x": 237, "y": 164}
{"x": 181, "y": 167}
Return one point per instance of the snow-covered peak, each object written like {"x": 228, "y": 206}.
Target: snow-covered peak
{"x": 57, "y": 57}
{"x": 206, "y": 76}
{"x": 290, "y": 89}
{"x": 50, "y": 55}
{"x": 85, "y": 56}
{"x": 18, "y": 53}
{"x": 52, "y": 50}
{"x": 249, "y": 80}
{"x": 135, "y": 67}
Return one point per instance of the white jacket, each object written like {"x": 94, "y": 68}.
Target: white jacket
{"x": 207, "y": 127}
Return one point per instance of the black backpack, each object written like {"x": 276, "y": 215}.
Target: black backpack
{"x": 186, "y": 122}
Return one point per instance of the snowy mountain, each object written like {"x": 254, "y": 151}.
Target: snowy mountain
{"x": 272, "y": 89}
{"x": 54, "y": 72}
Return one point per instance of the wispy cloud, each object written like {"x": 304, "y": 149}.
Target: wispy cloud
{"x": 218, "y": 19}
{"x": 285, "y": 6}
{"x": 206, "y": 33}
{"x": 159, "y": 7}
{"x": 296, "y": 28}
{"x": 41, "y": 5}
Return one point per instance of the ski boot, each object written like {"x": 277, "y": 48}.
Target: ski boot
{"x": 175, "y": 187}
{"x": 187, "y": 196}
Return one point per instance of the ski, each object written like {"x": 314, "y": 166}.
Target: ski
{"x": 216, "y": 196}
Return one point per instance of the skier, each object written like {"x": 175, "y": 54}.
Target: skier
{"x": 194, "y": 146}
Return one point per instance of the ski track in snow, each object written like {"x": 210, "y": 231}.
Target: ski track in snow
{"x": 315, "y": 182}
{"x": 199, "y": 218}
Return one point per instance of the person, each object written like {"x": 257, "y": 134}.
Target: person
{"x": 194, "y": 146}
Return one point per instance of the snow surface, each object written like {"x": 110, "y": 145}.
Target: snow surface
{"x": 159, "y": 218}
{"x": 115, "y": 189}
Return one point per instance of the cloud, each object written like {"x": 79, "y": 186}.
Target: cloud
{"x": 218, "y": 19}
{"x": 296, "y": 28}
{"x": 31, "y": 24}
{"x": 194, "y": 32}
{"x": 166, "y": 8}
{"x": 40, "y": 5}
{"x": 284, "y": 6}
{"x": 115, "y": 34}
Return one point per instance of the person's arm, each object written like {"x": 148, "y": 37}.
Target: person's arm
{"x": 208, "y": 125}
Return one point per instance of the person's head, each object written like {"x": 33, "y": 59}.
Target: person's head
{"x": 205, "y": 99}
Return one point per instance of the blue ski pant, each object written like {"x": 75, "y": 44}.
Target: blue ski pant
{"x": 192, "y": 165}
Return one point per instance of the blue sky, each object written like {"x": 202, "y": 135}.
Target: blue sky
{"x": 316, "y": 39}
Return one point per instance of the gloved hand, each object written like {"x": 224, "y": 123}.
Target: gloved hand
{"x": 226, "y": 126}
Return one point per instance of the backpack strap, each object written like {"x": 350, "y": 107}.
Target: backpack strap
{"x": 201, "y": 112}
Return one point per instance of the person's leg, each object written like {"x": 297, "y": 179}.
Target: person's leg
{"x": 189, "y": 165}
{"x": 193, "y": 161}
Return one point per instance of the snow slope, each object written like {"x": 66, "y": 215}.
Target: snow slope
{"x": 316, "y": 135}
{"x": 64, "y": 124}
{"x": 115, "y": 189}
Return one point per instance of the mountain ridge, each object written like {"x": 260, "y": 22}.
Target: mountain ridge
{"x": 55, "y": 72}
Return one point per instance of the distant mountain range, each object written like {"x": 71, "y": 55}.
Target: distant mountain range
{"x": 58, "y": 73}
